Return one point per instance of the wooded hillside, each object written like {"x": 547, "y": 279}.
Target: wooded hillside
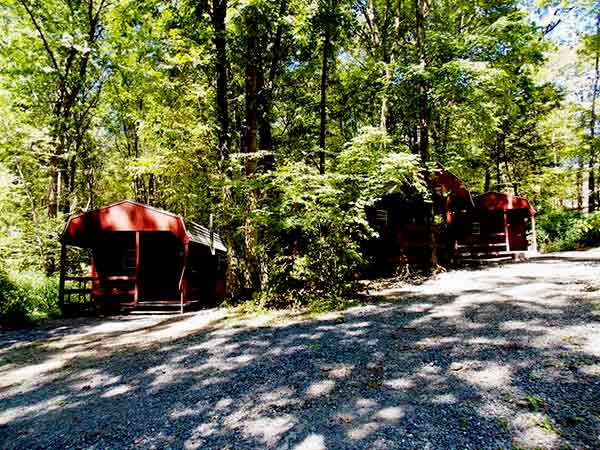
{"x": 286, "y": 119}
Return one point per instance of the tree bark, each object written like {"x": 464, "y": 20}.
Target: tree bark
{"x": 423, "y": 129}
{"x": 218, "y": 17}
{"x": 251, "y": 263}
{"x": 72, "y": 81}
{"x": 265, "y": 131}
{"x": 592, "y": 161}
{"x": 423, "y": 126}
{"x": 579, "y": 182}
{"x": 323, "y": 103}
{"x": 250, "y": 133}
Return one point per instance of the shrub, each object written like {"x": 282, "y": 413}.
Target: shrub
{"x": 560, "y": 230}
{"x": 313, "y": 226}
{"x": 312, "y": 240}
{"x": 26, "y": 297}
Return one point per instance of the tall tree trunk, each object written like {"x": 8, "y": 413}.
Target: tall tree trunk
{"x": 54, "y": 187}
{"x": 592, "y": 161}
{"x": 384, "y": 117}
{"x": 250, "y": 133}
{"x": 251, "y": 263}
{"x": 420, "y": 9}
{"x": 266, "y": 92}
{"x": 72, "y": 82}
{"x": 423, "y": 127}
{"x": 579, "y": 182}
{"x": 219, "y": 15}
{"x": 323, "y": 104}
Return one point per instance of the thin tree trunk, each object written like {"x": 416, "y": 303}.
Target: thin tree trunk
{"x": 219, "y": 15}
{"x": 54, "y": 187}
{"x": 34, "y": 217}
{"x": 423, "y": 127}
{"x": 498, "y": 177}
{"x": 420, "y": 7}
{"x": 250, "y": 135}
{"x": 67, "y": 96}
{"x": 251, "y": 269}
{"x": 592, "y": 160}
{"x": 383, "y": 120}
{"x": 266, "y": 92}
{"x": 323, "y": 104}
{"x": 579, "y": 182}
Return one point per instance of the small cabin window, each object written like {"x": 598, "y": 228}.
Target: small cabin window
{"x": 381, "y": 217}
{"x": 128, "y": 261}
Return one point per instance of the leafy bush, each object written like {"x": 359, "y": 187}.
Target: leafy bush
{"x": 310, "y": 239}
{"x": 560, "y": 230}
{"x": 312, "y": 226}
{"x": 26, "y": 297}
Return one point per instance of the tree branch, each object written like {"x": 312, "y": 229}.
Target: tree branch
{"x": 41, "y": 33}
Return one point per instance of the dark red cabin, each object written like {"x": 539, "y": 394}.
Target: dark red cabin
{"x": 402, "y": 222}
{"x": 142, "y": 255}
{"x": 497, "y": 225}
{"x": 492, "y": 225}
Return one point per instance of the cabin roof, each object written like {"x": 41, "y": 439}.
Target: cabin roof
{"x": 128, "y": 215}
{"x": 202, "y": 235}
{"x": 448, "y": 182}
{"x": 499, "y": 200}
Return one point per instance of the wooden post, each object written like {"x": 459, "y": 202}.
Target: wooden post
{"x": 61, "y": 280}
{"x": 183, "y": 281}
{"x": 136, "y": 295}
{"x": 534, "y": 247}
{"x": 448, "y": 212}
{"x": 506, "y": 236}
{"x": 181, "y": 295}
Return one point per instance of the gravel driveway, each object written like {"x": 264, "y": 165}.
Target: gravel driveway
{"x": 502, "y": 358}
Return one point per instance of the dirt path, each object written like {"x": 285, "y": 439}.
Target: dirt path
{"x": 501, "y": 358}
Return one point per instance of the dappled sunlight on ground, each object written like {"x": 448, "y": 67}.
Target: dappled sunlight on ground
{"x": 489, "y": 359}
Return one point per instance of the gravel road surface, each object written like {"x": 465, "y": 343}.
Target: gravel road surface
{"x": 506, "y": 357}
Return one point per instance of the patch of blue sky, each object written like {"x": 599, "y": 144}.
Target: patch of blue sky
{"x": 575, "y": 18}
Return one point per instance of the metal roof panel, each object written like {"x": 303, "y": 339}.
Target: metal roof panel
{"x": 202, "y": 235}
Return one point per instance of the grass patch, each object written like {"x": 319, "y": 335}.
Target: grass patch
{"x": 534, "y": 402}
{"x": 318, "y": 306}
{"x": 27, "y": 297}
{"x": 547, "y": 425}
{"x": 596, "y": 312}
{"x": 502, "y": 424}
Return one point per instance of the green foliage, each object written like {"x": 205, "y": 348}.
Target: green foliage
{"x": 503, "y": 424}
{"x": 26, "y": 297}
{"x": 560, "y": 230}
{"x": 534, "y": 402}
{"x": 312, "y": 238}
{"x": 101, "y": 101}
{"x": 315, "y": 230}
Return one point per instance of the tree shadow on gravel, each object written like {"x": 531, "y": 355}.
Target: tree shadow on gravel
{"x": 464, "y": 370}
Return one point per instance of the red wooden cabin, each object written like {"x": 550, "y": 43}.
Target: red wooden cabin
{"x": 142, "y": 255}
{"x": 496, "y": 226}
{"x": 486, "y": 227}
{"x": 402, "y": 223}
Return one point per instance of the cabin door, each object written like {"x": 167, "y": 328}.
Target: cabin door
{"x": 517, "y": 226}
{"x": 161, "y": 262}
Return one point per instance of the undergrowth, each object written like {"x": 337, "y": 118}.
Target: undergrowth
{"x": 26, "y": 297}
{"x": 561, "y": 230}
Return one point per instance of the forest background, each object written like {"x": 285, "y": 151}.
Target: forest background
{"x": 285, "y": 120}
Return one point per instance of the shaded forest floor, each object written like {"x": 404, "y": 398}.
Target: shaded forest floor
{"x": 500, "y": 358}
